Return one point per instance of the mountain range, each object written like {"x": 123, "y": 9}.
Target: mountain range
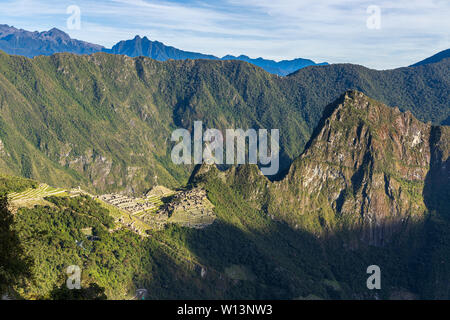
{"x": 370, "y": 187}
{"x": 104, "y": 121}
{"x": 364, "y": 179}
{"x": 158, "y": 51}
{"x": 31, "y": 44}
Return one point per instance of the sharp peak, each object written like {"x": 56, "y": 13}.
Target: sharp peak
{"x": 349, "y": 96}
{"x": 348, "y": 99}
{"x": 343, "y": 99}
{"x": 353, "y": 93}
{"x": 342, "y": 103}
{"x": 138, "y": 37}
{"x": 55, "y": 30}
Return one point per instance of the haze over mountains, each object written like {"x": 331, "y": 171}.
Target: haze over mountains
{"x": 31, "y": 44}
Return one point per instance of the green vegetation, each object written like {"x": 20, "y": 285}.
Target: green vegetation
{"x": 329, "y": 266}
{"x": 245, "y": 254}
{"x": 104, "y": 121}
{"x": 15, "y": 184}
{"x": 14, "y": 264}
{"x": 113, "y": 262}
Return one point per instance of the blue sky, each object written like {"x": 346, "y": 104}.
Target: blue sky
{"x": 322, "y": 30}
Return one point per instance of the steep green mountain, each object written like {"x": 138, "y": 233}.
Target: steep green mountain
{"x": 365, "y": 165}
{"x": 369, "y": 189}
{"x": 423, "y": 90}
{"x": 372, "y": 182}
{"x": 104, "y": 121}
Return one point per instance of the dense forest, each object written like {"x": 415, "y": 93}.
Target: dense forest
{"x": 245, "y": 255}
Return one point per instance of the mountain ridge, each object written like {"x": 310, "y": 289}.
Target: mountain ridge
{"x": 368, "y": 188}
{"x": 157, "y": 50}
{"x": 31, "y": 44}
{"x": 366, "y": 167}
{"x": 103, "y": 121}
{"x": 14, "y": 41}
{"x": 434, "y": 58}
{"x": 253, "y": 250}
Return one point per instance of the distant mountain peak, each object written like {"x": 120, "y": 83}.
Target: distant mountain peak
{"x": 433, "y": 59}
{"x": 56, "y": 30}
{"x": 55, "y": 33}
{"x": 30, "y": 44}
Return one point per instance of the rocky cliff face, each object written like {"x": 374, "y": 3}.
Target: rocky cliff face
{"x": 104, "y": 121}
{"x": 367, "y": 164}
{"x": 367, "y": 168}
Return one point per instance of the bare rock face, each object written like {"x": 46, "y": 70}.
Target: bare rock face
{"x": 365, "y": 168}
{"x": 368, "y": 169}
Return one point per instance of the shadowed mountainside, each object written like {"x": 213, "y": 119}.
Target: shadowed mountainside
{"x": 370, "y": 187}
{"x": 367, "y": 168}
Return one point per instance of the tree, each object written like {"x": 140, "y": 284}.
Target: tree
{"x": 93, "y": 292}
{"x": 14, "y": 265}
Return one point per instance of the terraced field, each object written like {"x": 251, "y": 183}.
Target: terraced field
{"x": 31, "y": 197}
{"x": 155, "y": 217}
{"x": 35, "y": 194}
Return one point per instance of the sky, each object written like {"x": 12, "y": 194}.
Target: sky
{"x": 380, "y": 34}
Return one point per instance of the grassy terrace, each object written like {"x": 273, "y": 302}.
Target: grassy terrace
{"x": 38, "y": 193}
{"x": 35, "y": 196}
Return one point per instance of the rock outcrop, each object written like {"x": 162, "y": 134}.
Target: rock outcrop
{"x": 367, "y": 164}
{"x": 367, "y": 168}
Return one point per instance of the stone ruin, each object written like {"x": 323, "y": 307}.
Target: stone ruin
{"x": 129, "y": 204}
